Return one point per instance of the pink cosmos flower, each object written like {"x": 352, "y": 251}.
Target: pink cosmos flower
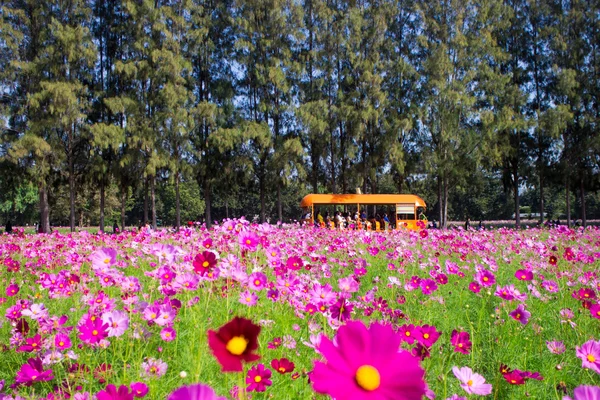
{"x": 585, "y": 392}
{"x": 112, "y": 393}
{"x": 103, "y": 258}
{"x": 589, "y": 352}
{"x": 294, "y": 263}
{"x": 168, "y": 334}
{"x": 471, "y": 382}
{"x": 117, "y": 322}
{"x": 258, "y": 378}
{"x": 62, "y": 341}
{"x": 248, "y": 298}
{"x": 93, "y": 331}
{"x": 556, "y": 347}
{"x": 521, "y": 314}
{"x": 485, "y": 278}
{"x": 428, "y": 286}
{"x": 474, "y": 287}
{"x": 360, "y": 365}
{"x": 407, "y": 333}
{"x": 249, "y": 241}
{"x": 257, "y": 281}
{"x": 153, "y": 367}
{"x": 195, "y": 392}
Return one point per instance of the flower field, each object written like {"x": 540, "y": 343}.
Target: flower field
{"x": 283, "y": 312}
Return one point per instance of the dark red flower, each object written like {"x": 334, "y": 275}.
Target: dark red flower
{"x": 233, "y": 343}
{"x": 514, "y": 378}
{"x": 204, "y": 262}
{"x": 282, "y": 365}
{"x": 553, "y": 260}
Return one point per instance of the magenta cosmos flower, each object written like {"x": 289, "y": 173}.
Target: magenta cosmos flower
{"x": 249, "y": 241}
{"x": 112, "y": 393}
{"x": 233, "y": 343}
{"x": 585, "y": 392}
{"x": 461, "y": 341}
{"x": 195, "y": 392}
{"x": 258, "y": 378}
{"x": 589, "y": 352}
{"x": 33, "y": 372}
{"x": 360, "y": 365}
{"x": 12, "y": 290}
{"x": 471, "y": 382}
{"x": 521, "y": 314}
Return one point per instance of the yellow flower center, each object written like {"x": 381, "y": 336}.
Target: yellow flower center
{"x": 256, "y": 282}
{"x": 248, "y": 241}
{"x": 426, "y": 336}
{"x": 591, "y": 358}
{"x": 407, "y": 333}
{"x": 205, "y": 264}
{"x": 281, "y": 369}
{"x": 237, "y": 345}
{"x": 257, "y": 379}
{"x": 33, "y": 377}
{"x": 94, "y": 332}
{"x": 485, "y": 278}
{"x": 368, "y": 378}
{"x": 470, "y": 382}
{"x": 106, "y": 260}
{"x": 460, "y": 345}
{"x": 61, "y": 343}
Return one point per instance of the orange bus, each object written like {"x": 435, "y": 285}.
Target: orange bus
{"x": 405, "y": 210}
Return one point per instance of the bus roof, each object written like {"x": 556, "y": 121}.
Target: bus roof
{"x": 315, "y": 199}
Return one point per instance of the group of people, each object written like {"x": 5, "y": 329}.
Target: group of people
{"x": 357, "y": 221}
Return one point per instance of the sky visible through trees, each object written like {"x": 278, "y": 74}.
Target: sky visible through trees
{"x": 135, "y": 111}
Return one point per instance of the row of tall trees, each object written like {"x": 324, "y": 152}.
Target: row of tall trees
{"x": 259, "y": 96}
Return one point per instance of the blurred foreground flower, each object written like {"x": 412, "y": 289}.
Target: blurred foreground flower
{"x": 585, "y": 392}
{"x": 195, "y": 392}
{"x": 360, "y": 365}
{"x": 233, "y": 343}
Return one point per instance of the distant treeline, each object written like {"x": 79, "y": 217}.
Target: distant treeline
{"x": 167, "y": 111}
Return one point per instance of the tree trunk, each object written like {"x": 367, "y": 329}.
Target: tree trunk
{"x": 440, "y": 207}
{"x": 261, "y": 185}
{"x": 153, "y": 199}
{"x": 177, "y": 201}
{"x": 44, "y": 226}
{"x": 145, "y": 202}
{"x": 123, "y": 199}
{"x": 71, "y": 196}
{"x": 582, "y": 195}
{"x": 516, "y": 194}
{"x": 227, "y": 209}
{"x": 314, "y": 158}
{"x": 541, "y": 198}
{"x": 445, "y": 202}
{"x": 101, "y": 205}
{"x": 279, "y": 206}
{"x": 568, "y": 200}
{"x": 207, "y": 203}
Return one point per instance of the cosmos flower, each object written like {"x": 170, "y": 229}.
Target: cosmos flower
{"x": 233, "y": 343}
{"x": 12, "y": 290}
{"x": 103, "y": 258}
{"x": 33, "y": 371}
{"x": 589, "y": 353}
{"x": 153, "y": 367}
{"x": 461, "y": 341}
{"x": 485, "y": 278}
{"x": 360, "y": 365}
{"x": 204, "y": 262}
{"x": 139, "y": 389}
{"x": 112, "y": 393}
{"x": 195, "y": 392}
{"x": 555, "y": 347}
{"x": 258, "y": 378}
{"x": 427, "y": 335}
{"x": 520, "y": 314}
{"x": 93, "y": 330}
{"x": 283, "y": 365}
{"x": 595, "y": 311}
{"x": 117, "y": 322}
{"x": 471, "y": 382}
{"x": 249, "y": 241}
{"x": 585, "y": 392}
{"x": 524, "y": 275}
